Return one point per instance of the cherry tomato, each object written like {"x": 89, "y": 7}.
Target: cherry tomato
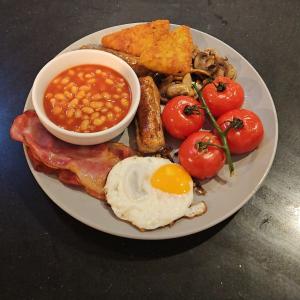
{"x": 200, "y": 160}
{"x": 246, "y": 130}
{"x": 223, "y": 95}
{"x": 182, "y": 116}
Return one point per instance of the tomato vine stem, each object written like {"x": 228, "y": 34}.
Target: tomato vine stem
{"x": 191, "y": 109}
{"x": 203, "y": 145}
{"x": 236, "y": 124}
{"x": 221, "y": 134}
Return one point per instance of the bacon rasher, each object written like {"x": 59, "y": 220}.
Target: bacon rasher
{"x": 86, "y": 166}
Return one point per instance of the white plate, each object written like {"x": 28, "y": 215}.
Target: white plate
{"x": 223, "y": 199}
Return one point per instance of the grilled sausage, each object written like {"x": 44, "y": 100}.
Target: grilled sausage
{"x": 133, "y": 61}
{"x": 149, "y": 131}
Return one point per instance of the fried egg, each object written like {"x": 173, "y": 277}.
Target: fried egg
{"x": 151, "y": 192}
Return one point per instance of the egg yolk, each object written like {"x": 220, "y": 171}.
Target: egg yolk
{"x": 171, "y": 178}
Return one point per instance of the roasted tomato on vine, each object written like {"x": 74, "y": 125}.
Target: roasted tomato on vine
{"x": 182, "y": 116}
{"x": 200, "y": 154}
{"x": 223, "y": 95}
{"x": 244, "y": 130}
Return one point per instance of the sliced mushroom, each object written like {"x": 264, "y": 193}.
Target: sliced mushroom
{"x": 209, "y": 63}
{"x": 200, "y": 72}
{"x": 221, "y": 60}
{"x": 212, "y": 68}
{"x": 165, "y": 84}
{"x": 231, "y": 71}
{"x": 187, "y": 79}
{"x": 178, "y": 89}
{"x": 199, "y": 60}
{"x": 219, "y": 72}
{"x": 205, "y": 64}
{"x": 195, "y": 51}
{"x": 182, "y": 88}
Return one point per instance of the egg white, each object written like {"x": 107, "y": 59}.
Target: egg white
{"x": 132, "y": 197}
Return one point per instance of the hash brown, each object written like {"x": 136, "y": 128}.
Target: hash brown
{"x": 172, "y": 54}
{"x": 136, "y": 39}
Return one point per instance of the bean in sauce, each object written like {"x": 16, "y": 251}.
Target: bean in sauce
{"x": 87, "y": 98}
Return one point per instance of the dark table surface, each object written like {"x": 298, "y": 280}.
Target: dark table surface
{"x": 46, "y": 254}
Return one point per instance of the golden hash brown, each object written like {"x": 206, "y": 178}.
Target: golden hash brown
{"x": 172, "y": 54}
{"x": 136, "y": 39}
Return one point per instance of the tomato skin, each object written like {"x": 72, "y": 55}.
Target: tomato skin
{"x": 176, "y": 122}
{"x": 201, "y": 164}
{"x": 247, "y": 138}
{"x": 219, "y": 102}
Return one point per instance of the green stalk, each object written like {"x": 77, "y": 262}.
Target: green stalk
{"x": 221, "y": 134}
{"x": 203, "y": 145}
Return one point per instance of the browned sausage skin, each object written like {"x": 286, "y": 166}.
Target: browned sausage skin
{"x": 133, "y": 61}
{"x": 149, "y": 131}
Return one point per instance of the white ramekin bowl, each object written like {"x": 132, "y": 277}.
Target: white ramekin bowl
{"x": 75, "y": 58}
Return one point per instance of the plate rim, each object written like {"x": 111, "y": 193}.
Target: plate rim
{"x": 189, "y": 232}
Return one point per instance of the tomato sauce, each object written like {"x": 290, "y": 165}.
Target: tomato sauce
{"x": 87, "y": 98}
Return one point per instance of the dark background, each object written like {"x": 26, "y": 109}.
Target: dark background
{"x": 45, "y": 254}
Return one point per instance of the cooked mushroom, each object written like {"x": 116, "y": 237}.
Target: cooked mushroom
{"x": 182, "y": 88}
{"x": 200, "y": 72}
{"x": 209, "y": 63}
{"x": 178, "y": 89}
{"x": 231, "y": 72}
{"x": 175, "y": 85}
{"x": 187, "y": 79}
{"x": 206, "y": 64}
{"x": 165, "y": 83}
{"x": 204, "y": 60}
{"x": 195, "y": 51}
{"x": 219, "y": 72}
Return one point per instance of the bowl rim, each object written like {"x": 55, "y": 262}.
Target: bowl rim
{"x": 43, "y": 117}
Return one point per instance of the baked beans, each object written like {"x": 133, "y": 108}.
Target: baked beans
{"x": 87, "y": 98}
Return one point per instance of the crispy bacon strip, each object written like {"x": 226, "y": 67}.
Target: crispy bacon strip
{"x": 87, "y": 166}
{"x": 64, "y": 176}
